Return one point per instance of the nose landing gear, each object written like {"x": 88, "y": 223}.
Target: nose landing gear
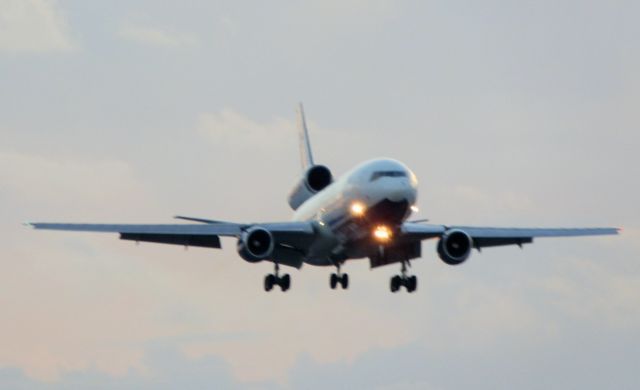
{"x": 338, "y": 278}
{"x": 275, "y": 279}
{"x": 409, "y": 282}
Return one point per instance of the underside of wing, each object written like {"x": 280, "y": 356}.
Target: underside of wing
{"x": 456, "y": 242}
{"x": 199, "y": 235}
{"x": 291, "y": 239}
{"x": 491, "y": 236}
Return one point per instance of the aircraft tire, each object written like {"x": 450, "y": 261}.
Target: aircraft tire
{"x": 269, "y": 281}
{"x": 285, "y": 282}
{"x": 412, "y": 283}
{"x": 344, "y": 281}
{"x": 395, "y": 283}
{"x": 333, "y": 281}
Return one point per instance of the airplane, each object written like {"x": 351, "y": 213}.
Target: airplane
{"x": 362, "y": 214}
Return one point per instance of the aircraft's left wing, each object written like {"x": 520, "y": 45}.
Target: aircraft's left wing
{"x": 492, "y": 236}
{"x": 407, "y": 243}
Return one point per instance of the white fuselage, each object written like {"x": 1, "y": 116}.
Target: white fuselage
{"x": 375, "y": 194}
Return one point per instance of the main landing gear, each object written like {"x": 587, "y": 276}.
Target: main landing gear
{"x": 274, "y": 279}
{"x": 409, "y": 282}
{"x": 338, "y": 278}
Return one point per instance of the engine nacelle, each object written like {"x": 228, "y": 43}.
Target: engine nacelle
{"x": 315, "y": 179}
{"x": 455, "y": 247}
{"x": 255, "y": 244}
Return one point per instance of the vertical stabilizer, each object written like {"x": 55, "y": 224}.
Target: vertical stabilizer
{"x": 306, "y": 156}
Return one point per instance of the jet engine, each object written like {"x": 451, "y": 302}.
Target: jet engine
{"x": 315, "y": 179}
{"x": 255, "y": 244}
{"x": 455, "y": 247}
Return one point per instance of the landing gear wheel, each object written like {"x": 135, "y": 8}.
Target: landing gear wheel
{"x": 396, "y": 281}
{"x": 344, "y": 281}
{"x": 285, "y": 282}
{"x": 333, "y": 281}
{"x": 411, "y": 283}
{"x": 275, "y": 279}
{"x": 269, "y": 281}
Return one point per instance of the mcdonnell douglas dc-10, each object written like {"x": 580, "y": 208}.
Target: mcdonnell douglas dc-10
{"x": 363, "y": 214}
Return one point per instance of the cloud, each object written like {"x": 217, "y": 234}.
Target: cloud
{"x": 344, "y": 17}
{"x": 157, "y": 37}
{"x": 33, "y": 26}
{"x": 590, "y": 292}
{"x": 571, "y": 362}
{"x": 165, "y": 368}
{"x": 235, "y": 130}
{"x": 72, "y": 184}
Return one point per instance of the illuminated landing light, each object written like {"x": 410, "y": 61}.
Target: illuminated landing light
{"x": 415, "y": 208}
{"x": 358, "y": 209}
{"x": 382, "y": 233}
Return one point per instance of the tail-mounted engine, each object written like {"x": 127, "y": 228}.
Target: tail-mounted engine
{"x": 256, "y": 244}
{"x": 455, "y": 247}
{"x": 315, "y": 179}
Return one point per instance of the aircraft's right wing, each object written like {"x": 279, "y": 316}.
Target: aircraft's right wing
{"x": 202, "y": 235}
{"x": 292, "y": 238}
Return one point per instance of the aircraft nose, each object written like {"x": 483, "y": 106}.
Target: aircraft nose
{"x": 400, "y": 191}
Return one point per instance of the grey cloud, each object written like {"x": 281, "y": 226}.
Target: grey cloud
{"x": 575, "y": 361}
{"x": 157, "y": 37}
{"x": 33, "y": 26}
{"x": 165, "y": 368}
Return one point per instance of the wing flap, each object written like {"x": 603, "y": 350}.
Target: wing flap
{"x": 204, "y": 241}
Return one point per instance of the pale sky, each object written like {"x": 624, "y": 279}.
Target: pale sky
{"x": 510, "y": 113}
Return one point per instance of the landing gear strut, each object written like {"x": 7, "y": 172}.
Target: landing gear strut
{"x": 409, "y": 282}
{"x": 338, "y": 278}
{"x": 274, "y": 279}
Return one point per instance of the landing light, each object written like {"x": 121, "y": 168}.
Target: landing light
{"x": 415, "y": 208}
{"x": 382, "y": 233}
{"x": 358, "y": 209}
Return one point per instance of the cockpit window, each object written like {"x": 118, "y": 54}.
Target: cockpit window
{"x": 379, "y": 174}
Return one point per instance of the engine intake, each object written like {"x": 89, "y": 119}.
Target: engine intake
{"x": 455, "y": 247}
{"x": 255, "y": 244}
{"x": 318, "y": 177}
{"x": 315, "y": 179}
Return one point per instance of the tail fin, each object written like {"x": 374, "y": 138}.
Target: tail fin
{"x": 306, "y": 156}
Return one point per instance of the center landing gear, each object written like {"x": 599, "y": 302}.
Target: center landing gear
{"x": 274, "y": 279}
{"x": 409, "y": 282}
{"x": 338, "y": 278}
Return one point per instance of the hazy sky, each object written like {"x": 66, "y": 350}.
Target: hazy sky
{"x": 511, "y": 113}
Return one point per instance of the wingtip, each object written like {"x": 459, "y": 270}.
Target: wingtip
{"x": 29, "y": 225}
